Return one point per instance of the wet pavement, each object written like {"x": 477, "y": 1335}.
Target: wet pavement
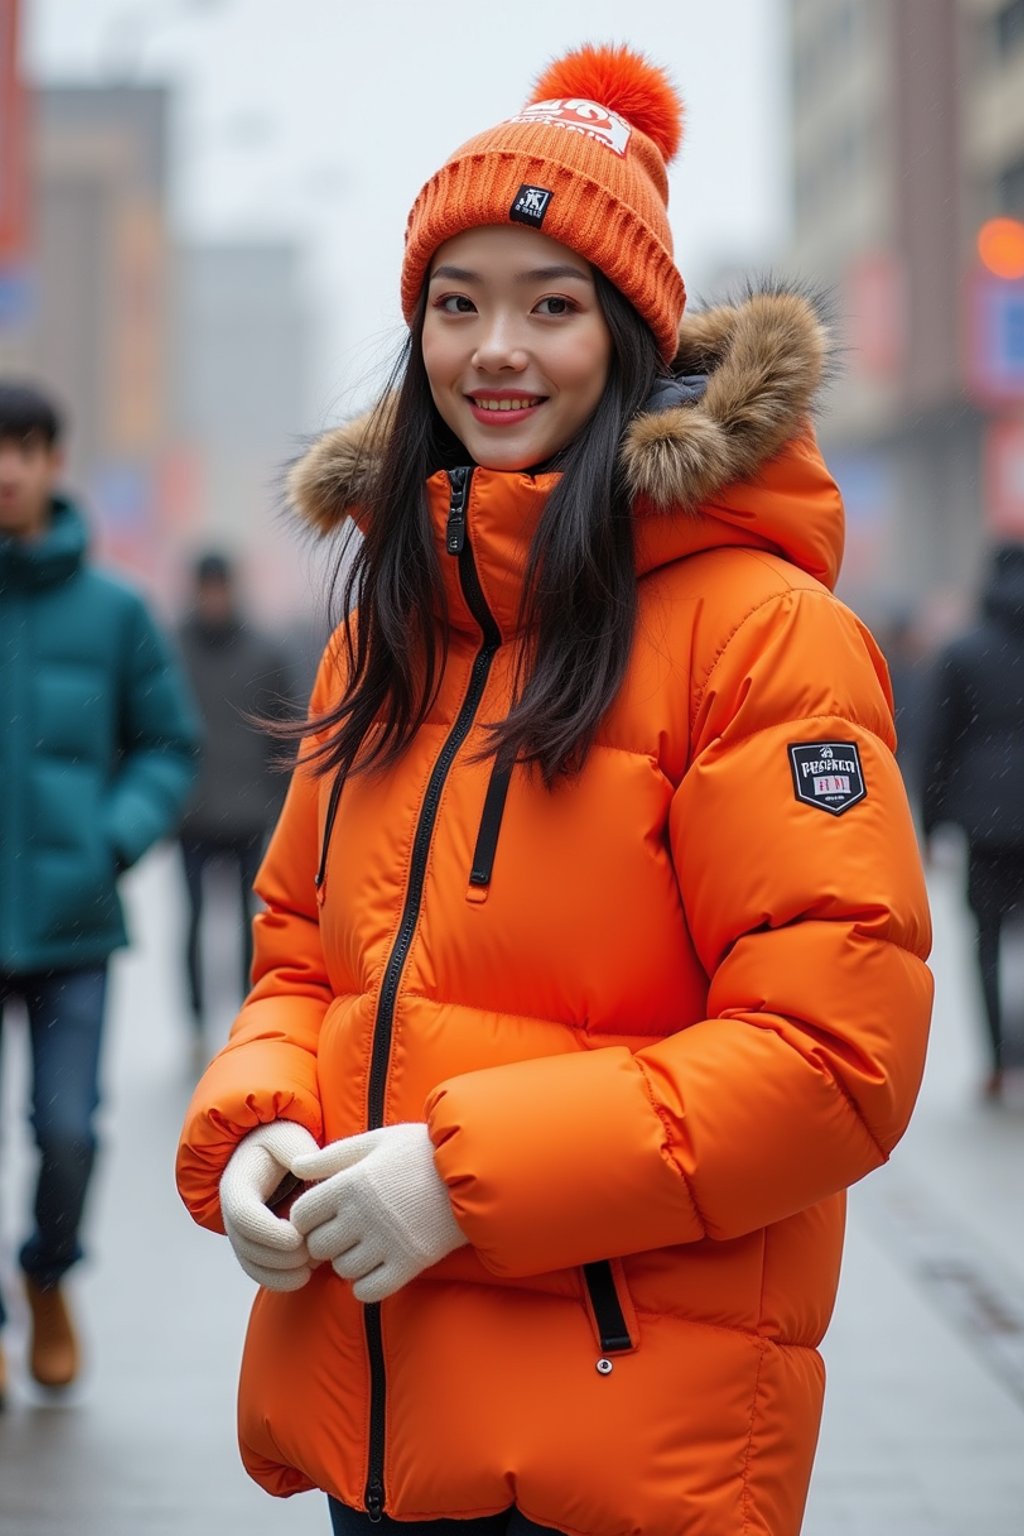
{"x": 924, "y": 1423}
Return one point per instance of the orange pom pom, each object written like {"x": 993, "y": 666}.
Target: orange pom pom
{"x": 623, "y": 81}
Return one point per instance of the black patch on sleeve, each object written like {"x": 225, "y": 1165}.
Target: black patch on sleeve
{"x": 827, "y": 775}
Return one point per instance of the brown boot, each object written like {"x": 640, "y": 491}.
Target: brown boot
{"x": 53, "y": 1352}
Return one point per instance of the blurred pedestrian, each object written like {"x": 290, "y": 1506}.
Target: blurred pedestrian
{"x": 98, "y": 740}
{"x": 908, "y": 672}
{"x": 595, "y": 931}
{"x": 973, "y": 741}
{"x": 240, "y": 676}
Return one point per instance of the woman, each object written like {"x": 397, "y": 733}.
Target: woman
{"x": 593, "y": 952}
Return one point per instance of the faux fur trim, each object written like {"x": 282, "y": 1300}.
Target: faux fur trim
{"x": 766, "y": 357}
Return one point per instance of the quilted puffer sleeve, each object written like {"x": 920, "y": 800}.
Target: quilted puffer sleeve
{"x": 267, "y": 1070}
{"x": 810, "y": 916}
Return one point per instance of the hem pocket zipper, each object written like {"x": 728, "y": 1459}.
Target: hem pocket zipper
{"x": 609, "y": 1315}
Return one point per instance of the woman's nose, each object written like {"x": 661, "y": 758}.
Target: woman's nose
{"x": 499, "y": 348}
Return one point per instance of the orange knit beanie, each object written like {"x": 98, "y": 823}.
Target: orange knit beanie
{"x": 585, "y": 162}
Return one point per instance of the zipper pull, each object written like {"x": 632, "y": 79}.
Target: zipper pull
{"x": 455, "y": 536}
{"x": 375, "y": 1501}
{"x": 320, "y": 878}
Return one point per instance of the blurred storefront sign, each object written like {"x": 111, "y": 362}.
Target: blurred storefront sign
{"x": 147, "y": 513}
{"x": 16, "y": 293}
{"x": 1004, "y": 478}
{"x": 136, "y": 401}
{"x": 15, "y": 279}
{"x": 875, "y": 309}
{"x": 121, "y": 492}
{"x": 995, "y": 337}
{"x": 180, "y": 491}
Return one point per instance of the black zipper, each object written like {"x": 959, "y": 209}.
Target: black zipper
{"x": 374, "y": 1495}
{"x": 457, "y": 544}
{"x": 332, "y": 811}
{"x": 608, "y": 1314}
{"x": 455, "y": 533}
{"x": 490, "y": 824}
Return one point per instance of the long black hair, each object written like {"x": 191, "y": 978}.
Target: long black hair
{"x": 579, "y": 596}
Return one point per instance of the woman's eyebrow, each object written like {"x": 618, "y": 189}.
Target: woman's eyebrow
{"x": 552, "y": 274}
{"x": 536, "y": 275}
{"x": 455, "y": 275}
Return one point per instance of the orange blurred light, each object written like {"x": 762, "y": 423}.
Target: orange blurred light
{"x": 1001, "y": 247}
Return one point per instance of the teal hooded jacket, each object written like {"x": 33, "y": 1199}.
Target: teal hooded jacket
{"x": 99, "y": 743}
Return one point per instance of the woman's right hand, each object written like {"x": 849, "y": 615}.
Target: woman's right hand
{"x": 268, "y": 1247}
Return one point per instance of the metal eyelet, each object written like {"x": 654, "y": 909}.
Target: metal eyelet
{"x": 604, "y": 1367}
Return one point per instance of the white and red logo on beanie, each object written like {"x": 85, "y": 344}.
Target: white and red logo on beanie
{"x": 580, "y": 116}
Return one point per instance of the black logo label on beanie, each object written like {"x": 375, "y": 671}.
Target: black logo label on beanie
{"x": 828, "y": 775}
{"x": 530, "y": 206}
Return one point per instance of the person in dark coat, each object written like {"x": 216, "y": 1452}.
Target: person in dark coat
{"x": 240, "y": 677}
{"x": 905, "y": 657}
{"x": 98, "y": 742}
{"x": 973, "y": 742}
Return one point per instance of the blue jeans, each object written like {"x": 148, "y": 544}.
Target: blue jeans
{"x": 65, "y": 1019}
{"x": 353, "y": 1522}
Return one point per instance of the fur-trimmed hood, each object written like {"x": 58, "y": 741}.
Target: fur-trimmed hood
{"x": 762, "y": 362}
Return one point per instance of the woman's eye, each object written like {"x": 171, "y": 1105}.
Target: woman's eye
{"x": 456, "y": 304}
{"x": 555, "y": 306}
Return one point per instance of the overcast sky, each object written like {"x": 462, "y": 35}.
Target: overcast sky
{"x": 323, "y": 118}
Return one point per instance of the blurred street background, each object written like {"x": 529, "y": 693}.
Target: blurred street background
{"x": 201, "y": 215}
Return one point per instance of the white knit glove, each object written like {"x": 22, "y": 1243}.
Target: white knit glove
{"x": 381, "y": 1214}
{"x": 268, "y": 1248}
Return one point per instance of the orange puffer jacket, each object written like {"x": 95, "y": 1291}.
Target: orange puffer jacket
{"x": 657, "y": 1020}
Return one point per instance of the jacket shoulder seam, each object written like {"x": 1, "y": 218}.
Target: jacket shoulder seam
{"x": 794, "y": 721}
{"x": 793, "y": 590}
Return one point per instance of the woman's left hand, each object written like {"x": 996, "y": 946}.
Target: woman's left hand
{"x": 379, "y": 1211}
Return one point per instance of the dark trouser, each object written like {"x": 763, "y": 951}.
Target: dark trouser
{"x": 245, "y": 854}
{"x": 995, "y": 890}
{"x": 352, "y": 1522}
{"x": 65, "y": 1018}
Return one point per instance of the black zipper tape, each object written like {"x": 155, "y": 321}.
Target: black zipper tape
{"x": 459, "y": 480}
{"x": 608, "y": 1313}
{"x": 332, "y": 811}
{"x": 374, "y": 1495}
{"x": 455, "y": 532}
{"x": 490, "y": 824}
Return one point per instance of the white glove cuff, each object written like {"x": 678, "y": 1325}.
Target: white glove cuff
{"x": 285, "y": 1140}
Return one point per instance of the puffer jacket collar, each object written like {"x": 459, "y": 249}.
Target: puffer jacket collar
{"x": 35, "y": 563}
{"x": 723, "y": 454}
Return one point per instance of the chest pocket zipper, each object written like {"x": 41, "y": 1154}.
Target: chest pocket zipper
{"x": 320, "y": 881}
{"x": 482, "y": 871}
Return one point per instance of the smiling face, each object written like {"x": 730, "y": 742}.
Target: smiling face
{"x": 515, "y": 345}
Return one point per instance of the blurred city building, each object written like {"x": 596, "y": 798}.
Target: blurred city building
{"x": 908, "y": 145}
{"x": 242, "y": 368}
{"x": 97, "y": 328}
{"x": 184, "y": 368}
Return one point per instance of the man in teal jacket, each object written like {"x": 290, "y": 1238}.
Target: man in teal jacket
{"x": 98, "y": 751}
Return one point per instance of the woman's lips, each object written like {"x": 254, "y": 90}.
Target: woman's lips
{"x": 507, "y": 414}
